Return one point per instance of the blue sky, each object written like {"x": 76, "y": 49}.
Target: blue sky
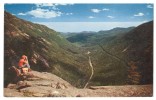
{"x": 47, "y": 13}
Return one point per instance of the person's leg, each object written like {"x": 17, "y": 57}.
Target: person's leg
{"x": 26, "y": 65}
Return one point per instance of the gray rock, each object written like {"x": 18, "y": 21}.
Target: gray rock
{"x": 11, "y": 86}
{"x": 22, "y": 84}
{"x": 56, "y": 94}
{"x": 12, "y": 93}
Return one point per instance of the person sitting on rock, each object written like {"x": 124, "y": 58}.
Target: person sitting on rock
{"x": 23, "y": 62}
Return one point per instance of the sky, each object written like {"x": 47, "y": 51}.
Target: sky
{"x": 83, "y": 17}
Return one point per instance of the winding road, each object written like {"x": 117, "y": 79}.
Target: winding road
{"x": 92, "y": 70}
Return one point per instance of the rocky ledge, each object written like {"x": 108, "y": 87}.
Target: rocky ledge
{"x": 43, "y": 84}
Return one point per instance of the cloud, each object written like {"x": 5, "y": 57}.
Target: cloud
{"x": 105, "y": 9}
{"x": 99, "y": 10}
{"x": 91, "y": 17}
{"x": 52, "y": 4}
{"x": 64, "y": 4}
{"x": 39, "y": 12}
{"x": 111, "y": 17}
{"x": 44, "y": 4}
{"x": 69, "y": 13}
{"x": 95, "y": 10}
{"x": 139, "y": 14}
{"x": 22, "y": 14}
{"x": 149, "y": 6}
{"x": 44, "y": 13}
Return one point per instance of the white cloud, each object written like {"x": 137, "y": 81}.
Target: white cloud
{"x": 149, "y": 6}
{"x": 45, "y": 4}
{"x": 69, "y": 13}
{"x": 22, "y": 14}
{"x": 52, "y": 4}
{"x": 44, "y": 13}
{"x": 95, "y": 10}
{"x": 39, "y": 12}
{"x": 87, "y": 26}
{"x": 111, "y": 17}
{"x": 105, "y": 9}
{"x": 91, "y": 17}
{"x": 99, "y": 10}
{"x": 139, "y": 14}
{"x": 64, "y": 4}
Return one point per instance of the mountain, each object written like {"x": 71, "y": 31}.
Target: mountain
{"x": 120, "y": 55}
{"x": 46, "y": 49}
{"x": 125, "y": 59}
{"x": 140, "y": 54}
{"x": 91, "y": 38}
{"x": 79, "y": 37}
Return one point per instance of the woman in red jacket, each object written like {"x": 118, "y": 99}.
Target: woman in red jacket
{"x": 23, "y": 62}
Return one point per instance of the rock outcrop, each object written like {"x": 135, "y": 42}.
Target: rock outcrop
{"x": 43, "y": 84}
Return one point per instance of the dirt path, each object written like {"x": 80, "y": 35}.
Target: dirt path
{"x": 92, "y": 72}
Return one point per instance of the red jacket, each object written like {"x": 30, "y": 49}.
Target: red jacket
{"x": 22, "y": 62}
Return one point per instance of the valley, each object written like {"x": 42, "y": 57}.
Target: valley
{"x": 120, "y": 56}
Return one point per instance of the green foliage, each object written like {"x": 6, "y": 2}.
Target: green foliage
{"x": 87, "y": 38}
{"x": 134, "y": 46}
{"x": 48, "y": 50}
{"x": 44, "y": 47}
{"x": 127, "y": 44}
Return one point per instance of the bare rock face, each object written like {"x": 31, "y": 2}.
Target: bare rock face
{"x": 39, "y": 84}
{"x": 12, "y": 93}
{"x": 56, "y": 94}
{"x": 11, "y": 86}
{"x": 22, "y": 84}
{"x": 48, "y": 79}
{"x": 48, "y": 85}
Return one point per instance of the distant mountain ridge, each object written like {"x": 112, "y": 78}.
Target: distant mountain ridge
{"x": 91, "y": 37}
{"x": 117, "y": 29}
